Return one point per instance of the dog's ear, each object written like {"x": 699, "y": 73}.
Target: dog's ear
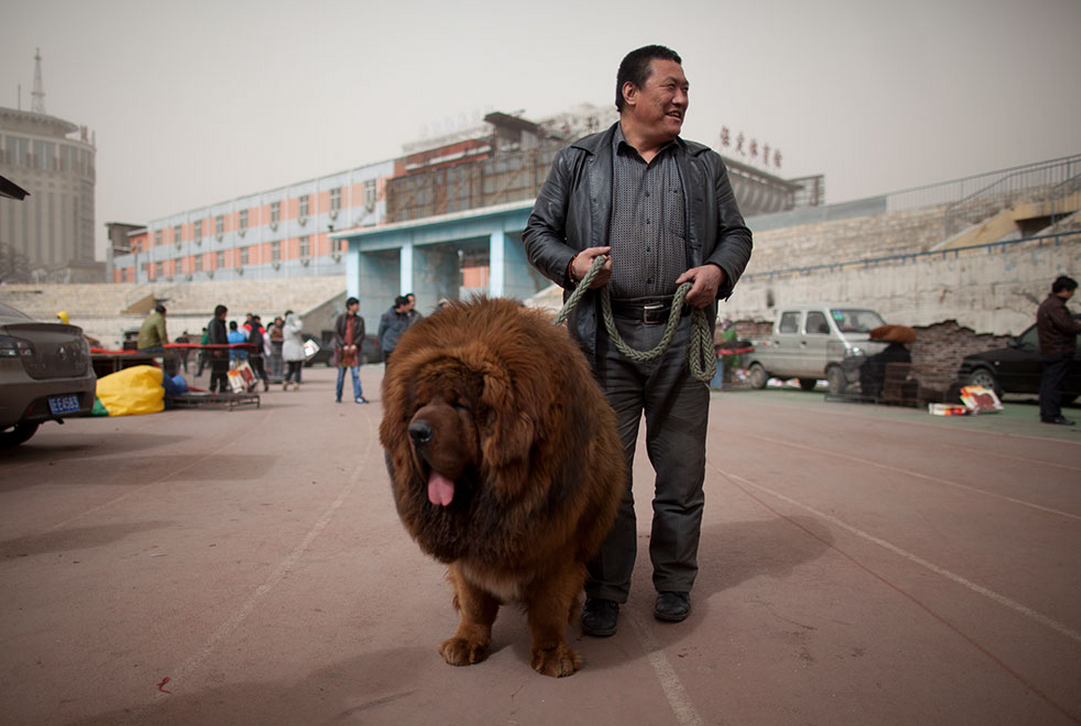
{"x": 509, "y": 432}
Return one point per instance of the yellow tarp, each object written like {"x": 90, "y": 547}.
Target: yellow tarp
{"x": 132, "y": 391}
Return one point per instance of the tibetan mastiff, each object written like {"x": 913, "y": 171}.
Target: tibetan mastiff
{"x": 506, "y": 464}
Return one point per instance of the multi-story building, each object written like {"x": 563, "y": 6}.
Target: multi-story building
{"x": 297, "y": 230}
{"x": 48, "y": 236}
{"x": 280, "y": 232}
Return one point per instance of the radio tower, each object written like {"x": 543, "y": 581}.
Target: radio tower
{"x": 38, "y": 104}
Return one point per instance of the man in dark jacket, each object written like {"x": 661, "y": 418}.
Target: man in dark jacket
{"x": 663, "y": 209}
{"x": 1057, "y": 332}
{"x": 391, "y": 326}
{"x": 219, "y": 357}
{"x": 348, "y": 338}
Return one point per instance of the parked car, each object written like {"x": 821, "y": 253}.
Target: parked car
{"x": 45, "y": 374}
{"x": 1017, "y": 368}
{"x": 370, "y": 352}
{"x": 815, "y": 341}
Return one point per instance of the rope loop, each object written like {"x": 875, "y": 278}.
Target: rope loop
{"x": 701, "y": 356}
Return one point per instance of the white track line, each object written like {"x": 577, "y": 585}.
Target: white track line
{"x": 909, "y": 472}
{"x": 670, "y": 683}
{"x": 979, "y": 589}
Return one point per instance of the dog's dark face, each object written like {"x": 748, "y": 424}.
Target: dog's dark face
{"x": 443, "y": 431}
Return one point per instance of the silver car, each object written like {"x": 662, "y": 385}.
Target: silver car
{"x": 45, "y": 374}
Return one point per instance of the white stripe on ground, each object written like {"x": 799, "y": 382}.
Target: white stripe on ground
{"x": 909, "y": 472}
{"x": 979, "y": 589}
{"x": 240, "y": 615}
{"x": 670, "y": 683}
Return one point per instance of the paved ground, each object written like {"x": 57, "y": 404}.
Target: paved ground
{"x": 859, "y": 565}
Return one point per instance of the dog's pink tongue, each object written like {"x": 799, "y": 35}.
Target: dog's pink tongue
{"x": 440, "y": 489}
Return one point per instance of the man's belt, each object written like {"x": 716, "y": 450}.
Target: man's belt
{"x": 648, "y": 311}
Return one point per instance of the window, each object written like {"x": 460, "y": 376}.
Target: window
{"x": 176, "y": 235}
{"x": 275, "y": 251}
{"x": 369, "y": 194}
{"x": 789, "y": 323}
{"x": 275, "y": 212}
{"x": 243, "y": 255}
{"x": 817, "y": 324}
{"x": 305, "y": 202}
{"x": 219, "y": 225}
{"x": 219, "y": 261}
{"x": 18, "y": 150}
{"x": 243, "y": 221}
{"x": 305, "y": 246}
{"x": 197, "y": 230}
{"x": 157, "y": 238}
{"x": 335, "y": 199}
{"x": 158, "y": 267}
{"x": 198, "y": 263}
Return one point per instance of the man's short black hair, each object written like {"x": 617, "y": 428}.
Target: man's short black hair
{"x": 351, "y": 301}
{"x": 401, "y": 300}
{"x": 220, "y": 310}
{"x": 232, "y": 325}
{"x": 160, "y": 308}
{"x": 636, "y": 69}
{"x": 1063, "y": 283}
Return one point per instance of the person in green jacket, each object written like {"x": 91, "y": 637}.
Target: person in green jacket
{"x": 152, "y": 336}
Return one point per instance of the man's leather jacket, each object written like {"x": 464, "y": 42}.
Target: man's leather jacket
{"x": 1056, "y": 329}
{"x": 573, "y": 212}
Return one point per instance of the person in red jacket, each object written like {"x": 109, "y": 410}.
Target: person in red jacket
{"x": 1057, "y": 332}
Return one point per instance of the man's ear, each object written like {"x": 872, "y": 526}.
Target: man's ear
{"x": 630, "y": 93}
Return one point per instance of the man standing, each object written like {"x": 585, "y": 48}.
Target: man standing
{"x": 391, "y": 326}
{"x": 152, "y": 337}
{"x": 219, "y": 357}
{"x": 255, "y": 355}
{"x": 348, "y": 337}
{"x": 1057, "y": 332}
{"x": 663, "y": 209}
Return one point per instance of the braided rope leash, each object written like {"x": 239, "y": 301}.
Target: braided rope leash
{"x": 701, "y": 356}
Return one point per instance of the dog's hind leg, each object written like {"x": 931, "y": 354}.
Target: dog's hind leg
{"x": 477, "y": 610}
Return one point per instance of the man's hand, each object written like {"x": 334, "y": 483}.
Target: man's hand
{"x": 707, "y": 280}
{"x": 584, "y": 260}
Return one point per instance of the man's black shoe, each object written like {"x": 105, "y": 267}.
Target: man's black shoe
{"x": 599, "y": 617}
{"x": 1061, "y": 420}
{"x": 672, "y": 607}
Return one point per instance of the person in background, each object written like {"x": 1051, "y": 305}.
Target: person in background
{"x": 1057, "y": 333}
{"x": 183, "y": 339}
{"x": 204, "y": 354}
{"x": 257, "y": 338}
{"x": 348, "y": 336}
{"x": 236, "y": 336}
{"x": 219, "y": 357}
{"x": 391, "y": 326}
{"x": 414, "y": 314}
{"x": 274, "y": 340}
{"x": 152, "y": 335}
{"x": 292, "y": 350}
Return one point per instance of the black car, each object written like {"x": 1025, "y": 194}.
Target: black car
{"x": 370, "y": 352}
{"x": 1017, "y": 368}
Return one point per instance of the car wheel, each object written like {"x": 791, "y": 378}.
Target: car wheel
{"x": 984, "y": 377}
{"x": 20, "y": 433}
{"x": 757, "y": 375}
{"x": 835, "y": 377}
{"x": 808, "y": 384}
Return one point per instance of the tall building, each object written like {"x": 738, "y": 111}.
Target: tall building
{"x": 49, "y": 236}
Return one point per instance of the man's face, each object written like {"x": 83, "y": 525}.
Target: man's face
{"x": 660, "y": 105}
{"x": 354, "y": 307}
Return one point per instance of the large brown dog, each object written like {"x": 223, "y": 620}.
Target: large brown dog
{"x": 505, "y": 464}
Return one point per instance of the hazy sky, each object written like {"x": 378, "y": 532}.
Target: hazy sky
{"x": 198, "y": 102}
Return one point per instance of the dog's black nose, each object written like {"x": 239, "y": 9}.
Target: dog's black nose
{"x": 420, "y": 432}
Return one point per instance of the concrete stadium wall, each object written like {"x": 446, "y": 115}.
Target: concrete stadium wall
{"x": 994, "y": 292}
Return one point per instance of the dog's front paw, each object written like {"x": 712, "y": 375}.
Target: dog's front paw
{"x": 460, "y": 652}
{"x": 556, "y": 662}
